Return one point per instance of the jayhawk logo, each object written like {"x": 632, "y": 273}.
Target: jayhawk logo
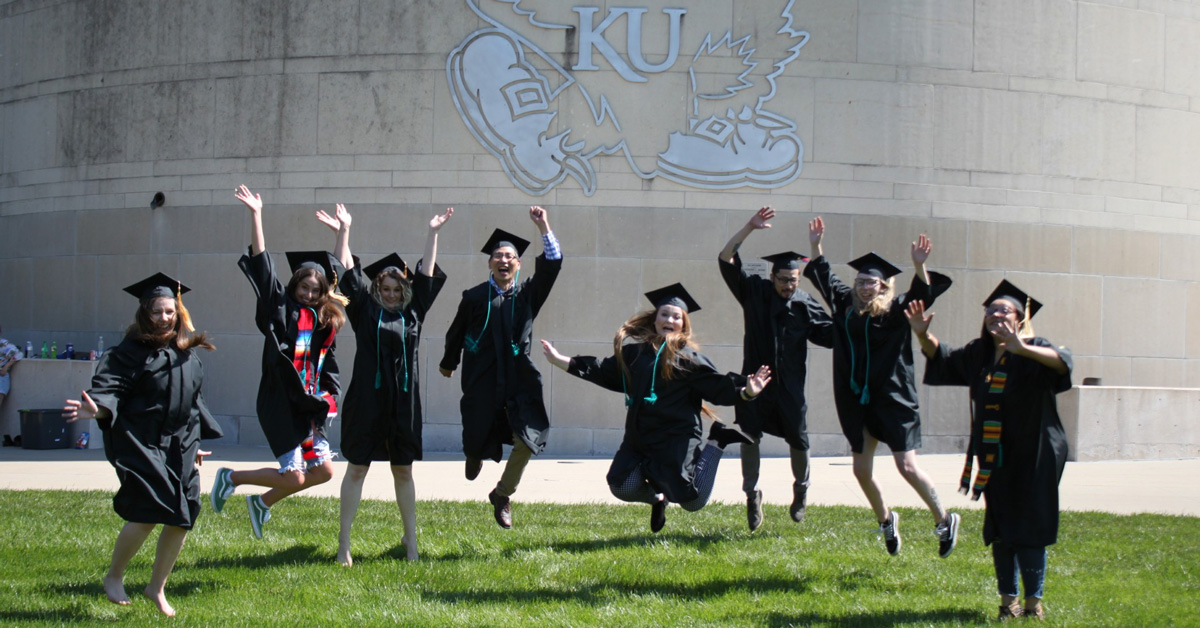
{"x": 550, "y": 85}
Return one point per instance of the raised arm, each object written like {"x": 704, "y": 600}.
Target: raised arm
{"x": 541, "y": 218}
{"x": 1013, "y": 343}
{"x": 340, "y": 223}
{"x": 919, "y": 320}
{"x": 430, "y": 257}
{"x": 258, "y": 242}
{"x": 816, "y": 233}
{"x": 760, "y": 220}
{"x": 554, "y": 357}
{"x": 920, "y": 253}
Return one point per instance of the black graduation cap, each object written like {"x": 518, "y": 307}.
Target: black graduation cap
{"x": 674, "y": 294}
{"x": 1016, "y": 296}
{"x": 788, "y": 260}
{"x": 320, "y": 260}
{"x": 875, "y": 266}
{"x": 392, "y": 260}
{"x": 157, "y": 285}
{"x": 501, "y": 238}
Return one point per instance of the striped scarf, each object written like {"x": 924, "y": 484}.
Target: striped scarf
{"x": 991, "y": 455}
{"x": 310, "y": 377}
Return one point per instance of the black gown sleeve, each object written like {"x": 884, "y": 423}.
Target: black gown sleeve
{"x": 268, "y": 292}
{"x": 112, "y": 380}
{"x": 605, "y": 373}
{"x": 820, "y": 324}
{"x": 426, "y": 289}
{"x": 456, "y": 334}
{"x": 949, "y": 367}
{"x": 831, "y": 289}
{"x": 357, "y": 288}
{"x": 920, "y": 291}
{"x": 713, "y": 386}
{"x": 735, "y": 277}
{"x": 545, "y": 273}
{"x": 209, "y": 428}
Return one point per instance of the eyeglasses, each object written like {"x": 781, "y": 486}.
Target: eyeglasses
{"x": 866, "y": 283}
{"x": 787, "y": 281}
{"x": 1002, "y": 310}
{"x": 503, "y": 257}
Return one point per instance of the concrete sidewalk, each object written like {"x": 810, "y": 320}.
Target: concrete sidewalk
{"x": 1125, "y": 487}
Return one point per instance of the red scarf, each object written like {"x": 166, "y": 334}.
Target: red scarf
{"x": 310, "y": 377}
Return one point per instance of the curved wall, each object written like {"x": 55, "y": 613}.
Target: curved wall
{"x": 1052, "y": 142}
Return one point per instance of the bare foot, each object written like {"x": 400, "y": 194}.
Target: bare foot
{"x": 160, "y": 600}
{"x": 343, "y": 555}
{"x": 411, "y": 548}
{"x": 115, "y": 590}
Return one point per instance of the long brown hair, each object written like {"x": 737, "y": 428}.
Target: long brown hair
{"x": 181, "y": 336}
{"x": 329, "y": 305}
{"x": 881, "y": 304}
{"x": 640, "y": 328}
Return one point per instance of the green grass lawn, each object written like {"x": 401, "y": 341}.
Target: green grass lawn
{"x": 581, "y": 566}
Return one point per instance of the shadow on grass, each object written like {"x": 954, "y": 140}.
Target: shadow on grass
{"x": 180, "y": 585}
{"x": 880, "y": 619}
{"x": 294, "y": 555}
{"x": 604, "y": 594}
{"x": 699, "y": 542}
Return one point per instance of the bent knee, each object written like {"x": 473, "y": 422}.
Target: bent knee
{"x": 402, "y": 473}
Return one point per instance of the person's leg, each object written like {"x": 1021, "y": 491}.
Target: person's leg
{"x": 170, "y": 543}
{"x": 705, "y": 476}
{"x": 800, "y": 469}
{"x": 129, "y": 541}
{"x": 634, "y": 488}
{"x": 406, "y": 500}
{"x": 351, "y": 494}
{"x": 864, "y": 469}
{"x": 1032, "y": 562}
{"x": 906, "y": 463}
{"x": 751, "y": 464}
{"x": 514, "y": 469}
{"x": 1004, "y": 561}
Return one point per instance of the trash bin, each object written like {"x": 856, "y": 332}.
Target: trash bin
{"x": 47, "y": 429}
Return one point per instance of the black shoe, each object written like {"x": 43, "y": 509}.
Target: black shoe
{"x": 502, "y": 509}
{"x": 799, "y": 505}
{"x": 473, "y": 468}
{"x": 658, "y": 514}
{"x": 726, "y": 435}
{"x": 890, "y": 529}
{"x": 754, "y": 514}
{"x": 947, "y": 533}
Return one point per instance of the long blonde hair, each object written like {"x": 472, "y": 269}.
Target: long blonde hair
{"x": 881, "y": 304}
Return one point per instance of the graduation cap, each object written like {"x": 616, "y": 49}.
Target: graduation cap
{"x": 391, "y": 261}
{"x": 788, "y": 260}
{"x": 674, "y": 294}
{"x": 157, "y": 285}
{"x": 501, "y": 238}
{"x": 1017, "y": 297}
{"x": 875, "y": 266}
{"x": 319, "y": 260}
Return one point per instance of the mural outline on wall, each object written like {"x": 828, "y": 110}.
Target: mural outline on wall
{"x": 539, "y": 118}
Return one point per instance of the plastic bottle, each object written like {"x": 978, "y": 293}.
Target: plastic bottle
{"x": 29, "y": 348}
{"x": 45, "y": 351}
{"x": 100, "y": 346}
{"x": 53, "y": 349}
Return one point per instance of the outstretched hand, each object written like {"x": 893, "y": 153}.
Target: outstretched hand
{"x": 342, "y": 219}
{"x": 438, "y": 220}
{"x": 917, "y": 318}
{"x": 758, "y": 381}
{"x": 921, "y": 249}
{"x": 761, "y": 219}
{"x": 79, "y": 410}
{"x": 816, "y": 231}
{"x": 200, "y": 454}
{"x": 554, "y": 356}
{"x": 1007, "y": 335}
{"x": 253, "y": 201}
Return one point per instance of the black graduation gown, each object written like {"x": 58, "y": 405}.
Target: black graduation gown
{"x": 776, "y": 335}
{"x": 891, "y": 414}
{"x": 159, "y": 417}
{"x": 496, "y": 383}
{"x": 285, "y": 411}
{"x": 1022, "y": 493}
{"x": 664, "y": 438}
{"x": 387, "y": 344}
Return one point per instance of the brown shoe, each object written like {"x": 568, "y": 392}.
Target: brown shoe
{"x": 754, "y": 513}
{"x": 1009, "y": 612}
{"x": 502, "y": 509}
{"x": 799, "y": 505}
{"x": 1035, "y": 612}
{"x": 473, "y": 468}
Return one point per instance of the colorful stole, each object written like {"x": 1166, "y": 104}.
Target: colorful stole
{"x": 300, "y": 360}
{"x": 991, "y": 455}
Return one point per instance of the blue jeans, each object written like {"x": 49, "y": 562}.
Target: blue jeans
{"x": 1031, "y": 561}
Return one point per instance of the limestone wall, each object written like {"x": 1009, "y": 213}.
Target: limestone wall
{"x": 1052, "y": 142}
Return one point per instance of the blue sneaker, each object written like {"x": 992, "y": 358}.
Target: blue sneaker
{"x": 259, "y": 514}
{"x": 222, "y": 489}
